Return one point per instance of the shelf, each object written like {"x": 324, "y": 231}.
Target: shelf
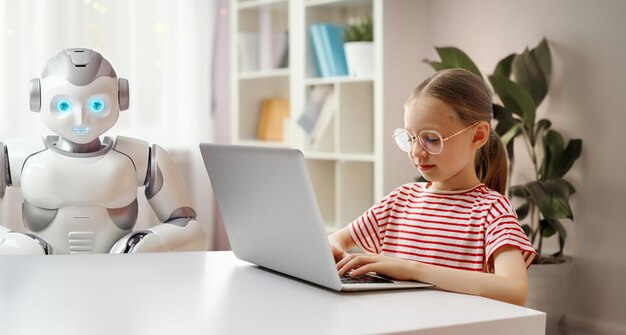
{"x": 335, "y": 80}
{"x": 344, "y": 155}
{"x": 336, "y": 3}
{"x": 254, "y": 4}
{"x": 333, "y": 156}
{"x": 274, "y": 73}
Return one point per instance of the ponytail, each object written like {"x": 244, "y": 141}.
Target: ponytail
{"x": 492, "y": 164}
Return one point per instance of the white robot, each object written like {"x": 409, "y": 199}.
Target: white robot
{"x": 80, "y": 191}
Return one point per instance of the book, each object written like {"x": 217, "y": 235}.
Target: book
{"x": 317, "y": 96}
{"x": 272, "y": 116}
{"x": 332, "y": 41}
{"x": 322, "y": 127}
{"x": 319, "y": 51}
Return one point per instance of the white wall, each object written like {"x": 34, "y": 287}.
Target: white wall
{"x": 586, "y": 100}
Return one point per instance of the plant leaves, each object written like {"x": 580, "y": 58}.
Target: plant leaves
{"x": 546, "y": 229}
{"x": 522, "y": 211}
{"x": 454, "y": 58}
{"x": 558, "y": 161}
{"x": 558, "y": 227}
{"x": 570, "y": 155}
{"x": 515, "y": 99}
{"x": 551, "y": 198}
{"x": 528, "y": 75}
{"x": 503, "y": 68}
{"x": 541, "y": 125}
{"x": 519, "y": 191}
{"x": 527, "y": 230}
{"x": 542, "y": 54}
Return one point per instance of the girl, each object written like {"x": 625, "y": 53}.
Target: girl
{"x": 457, "y": 231}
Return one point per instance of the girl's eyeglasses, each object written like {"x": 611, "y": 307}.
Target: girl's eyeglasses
{"x": 430, "y": 140}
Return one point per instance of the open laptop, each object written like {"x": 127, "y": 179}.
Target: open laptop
{"x": 271, "y": 215}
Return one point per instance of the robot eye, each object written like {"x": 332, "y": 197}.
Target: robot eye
{"x": 96, "y": 105}
{"x": 64, "y": 106}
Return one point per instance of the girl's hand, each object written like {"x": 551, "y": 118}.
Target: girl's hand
{"x": 338, "y": 254}
{"x": 389, "y": 266}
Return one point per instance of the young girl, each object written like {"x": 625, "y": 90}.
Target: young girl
{"x": 457, "y": 231}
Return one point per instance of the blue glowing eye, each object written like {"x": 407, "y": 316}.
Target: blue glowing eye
{"x": 96, "y": 105}
{"x": 64, "y": 106}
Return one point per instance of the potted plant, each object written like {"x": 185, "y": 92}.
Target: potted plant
{"x": 521, "y": 82}
{"x": 359, "y": 47}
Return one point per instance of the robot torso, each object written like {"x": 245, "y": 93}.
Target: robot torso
{"x": 81, "y": 202}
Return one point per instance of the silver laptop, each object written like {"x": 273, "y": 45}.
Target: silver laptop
{"x": 271, "y": 215}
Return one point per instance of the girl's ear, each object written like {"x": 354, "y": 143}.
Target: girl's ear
{"x": 481, "y": 134}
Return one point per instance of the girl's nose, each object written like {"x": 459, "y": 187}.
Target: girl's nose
{"x": 417, "y": 150}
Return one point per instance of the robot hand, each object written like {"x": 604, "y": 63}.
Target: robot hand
{"x": 13, "y": 243}
{"x": 180, "y": 235}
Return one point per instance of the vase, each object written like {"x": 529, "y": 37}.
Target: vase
{"x": 548, "y": 290}
{"x": 360, "y": 58}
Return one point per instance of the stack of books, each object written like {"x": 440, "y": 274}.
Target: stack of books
{"x": 329, "y": 54}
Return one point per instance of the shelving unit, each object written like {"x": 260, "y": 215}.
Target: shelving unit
{"x": 346, "y": 165}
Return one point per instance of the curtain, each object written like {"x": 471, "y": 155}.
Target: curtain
{"x": 164, "y": 49}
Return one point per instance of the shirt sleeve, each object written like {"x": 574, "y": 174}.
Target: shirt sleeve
{"x": 367, "y": 231}
{"x": 504, "y": 229}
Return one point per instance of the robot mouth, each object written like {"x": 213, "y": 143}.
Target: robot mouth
{"x": 81, "y": 130}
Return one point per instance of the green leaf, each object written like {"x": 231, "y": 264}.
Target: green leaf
{"x": 558, "y": 161}
{"x": 504, "y": 117}
{"x": 546, "y": 229}
{"x": 511, "y": 134}
{"x": 455, "y": 58}
{"x": 541, "y": 125}
{"x": 542, "y": 54}
{"x": 438, "y": 66}
{"x": 528, "y": 75}
{"x": 522, "y": 211}
{"x": 527, "y": 229}
{"x": 570, "y": 155}
{"x": 553, "y": 150}
{"x": 551, "y": 197}
{"x": 558, "y": 227}
{"x": 503, "y": 68}
{"x": 515, "y": 99}
{"x": 519, "y": 191}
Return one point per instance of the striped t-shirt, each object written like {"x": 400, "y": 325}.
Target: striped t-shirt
{"x": 455, "y": 229}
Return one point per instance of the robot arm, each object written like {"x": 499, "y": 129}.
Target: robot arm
{"x": 168, "y": 197}
{"x": 14, "y": 243}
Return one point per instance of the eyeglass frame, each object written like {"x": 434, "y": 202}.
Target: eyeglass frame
{"x": 418, "y": 137}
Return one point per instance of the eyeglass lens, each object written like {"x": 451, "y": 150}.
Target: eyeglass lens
{"x": 429, "y": 140}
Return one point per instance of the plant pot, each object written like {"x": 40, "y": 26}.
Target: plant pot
{"x": 548, "y": 290}
{"x": 360, "y": 58}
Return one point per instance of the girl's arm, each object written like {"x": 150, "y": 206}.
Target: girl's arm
{"x": 509, "y": 283}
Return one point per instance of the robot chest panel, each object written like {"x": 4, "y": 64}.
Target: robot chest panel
{"x": 51, "y": 180}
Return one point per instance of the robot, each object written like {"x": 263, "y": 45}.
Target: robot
{"x": 80, "y": 191}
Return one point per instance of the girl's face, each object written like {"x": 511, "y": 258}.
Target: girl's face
{"x": 453, "y": 168}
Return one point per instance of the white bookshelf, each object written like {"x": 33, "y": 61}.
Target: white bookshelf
{"x": 347, "y": 165}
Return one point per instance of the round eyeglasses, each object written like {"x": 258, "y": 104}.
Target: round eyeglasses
{"x": 429, "y": 140}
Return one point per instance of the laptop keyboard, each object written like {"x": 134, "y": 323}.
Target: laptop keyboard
{"x": 364, "y": 279}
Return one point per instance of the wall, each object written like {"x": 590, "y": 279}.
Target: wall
{"x": 586, "y": 100}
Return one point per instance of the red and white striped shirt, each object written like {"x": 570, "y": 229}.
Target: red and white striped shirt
{"x": 455, "y": 229}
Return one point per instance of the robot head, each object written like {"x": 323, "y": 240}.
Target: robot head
{"x": 79, "y": 95}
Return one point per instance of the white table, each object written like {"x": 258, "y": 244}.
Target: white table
{"x": 215, "y": 293}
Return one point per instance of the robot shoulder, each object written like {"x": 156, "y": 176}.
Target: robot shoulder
{"x": 16, "y": 152}
{"x": 139, "y": 153}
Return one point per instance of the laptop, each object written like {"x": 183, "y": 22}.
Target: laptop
{"x": 271, "y": 215}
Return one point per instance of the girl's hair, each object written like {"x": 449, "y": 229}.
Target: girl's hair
{"x": 470, "y": 98}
